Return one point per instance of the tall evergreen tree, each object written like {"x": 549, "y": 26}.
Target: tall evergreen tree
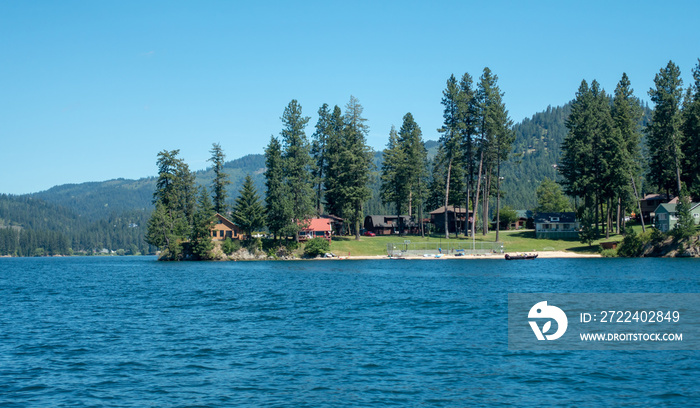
{"x": 356, "y": 162}
{"x": 450, "y": 138}
{"x": 174, "y": 199}
{"x": 277, "y": 206}
{"x": 220, "y": 179}
{"x": 248, "y": 213}
{"x": 335, "y": 145}
{"x": 664, "y": 136}
{"x": 691, "y": 135}
{"x": 319, "y": 152}
{"x": 468, "y": 109}
{"x": 393, "y": 177}
{"x": 200, "y": 235}
{"x": 297, "y": 166}
{"x": 626, "y": 166}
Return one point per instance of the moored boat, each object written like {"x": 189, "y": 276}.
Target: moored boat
{"x": 520, "y": 256}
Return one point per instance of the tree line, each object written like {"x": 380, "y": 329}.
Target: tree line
{"x": 604, "y": 156}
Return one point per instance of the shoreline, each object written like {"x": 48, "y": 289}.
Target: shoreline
{"x": 545, "y": 254}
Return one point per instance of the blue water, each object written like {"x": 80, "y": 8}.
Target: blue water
{"x": 133, "y": 332}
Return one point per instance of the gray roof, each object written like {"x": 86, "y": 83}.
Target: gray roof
{"x": 563, "y": 217}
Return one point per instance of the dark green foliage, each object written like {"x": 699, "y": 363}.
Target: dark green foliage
{"x": 685, "y": 226}
{"x": 248, "y": 213}
{"x": 316, "y": 247}
{"x": 200, "y": 236}
{"x": 550, "y": 198}
{"x": 349, "y": 164}
{"x": 171, "y": 223}
{"x": 631, "y": 246}
{"x": 588, "y": 232}
{"x": 664, "y": 136}
{"x": 230, "y": 246}
{"x": 508, "y": 216}
{"x": 296, "y": 163}
{"x": 691, "y": 135}
{"x": 220, "y": 179}
{"x": 319, "y": 152}
{"x": 277, "y": 209}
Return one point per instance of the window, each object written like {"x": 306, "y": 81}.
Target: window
{"x": 221, "y": 233}
{"x": 213, "y": 233}
{"x": 661, "y": 217}
{"x": 696, "y": 215}
{"x": 228, "y": 234}
{"x": 566, "y": 227}
{"x": 554, "y": 219}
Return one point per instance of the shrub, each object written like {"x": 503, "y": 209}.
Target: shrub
{"x": 609, "y": 253}
{"x": 253, "y": 244}
{"x": 317, "y": 246}
{"x": 230, "y": 246}
{"x": 631, "y": 246}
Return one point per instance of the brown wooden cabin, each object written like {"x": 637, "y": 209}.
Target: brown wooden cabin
{"x": 223, "y": 228}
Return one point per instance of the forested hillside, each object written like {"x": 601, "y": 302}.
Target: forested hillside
{"x": 30, "y": 226}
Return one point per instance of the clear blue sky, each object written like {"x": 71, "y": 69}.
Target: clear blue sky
{"x": 93, "y": 90}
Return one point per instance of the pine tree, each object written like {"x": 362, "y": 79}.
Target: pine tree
{"x": 319, "y": 152}
{"x": 356, "y": 162}
{"x": 450, "y": 139}
{"x": 468, "y": 109}
{"x": 248, "y": 213}
{"x": 664, "y": 136}
{"x": 277, "y": 209}
{"x": 200, "y": 236}
{"x": 626, "y": 114}
{"x": 691, "y": 135}
{"x": 297, "y": 162}
{"x": 685, "y": 226}
{"x": 393, "y": 177}
{"x": 170, "y": 223}
{"x": 333, "y": 171}
{"x": 220, "y": 179}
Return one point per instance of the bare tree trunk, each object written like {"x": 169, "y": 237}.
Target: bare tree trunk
{"x": 617, "y": 219}
{"x": 487, "y": 189}
{"x": 498, "y": 199}
{"x": 639, "y": 203}
{"x": 478, "y": 189}
{"x": 447, "y": 194}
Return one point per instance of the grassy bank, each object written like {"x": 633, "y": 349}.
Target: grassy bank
{"x": 513, "y": 241}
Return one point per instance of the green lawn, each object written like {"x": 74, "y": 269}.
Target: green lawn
{"x": 513, "y": 241}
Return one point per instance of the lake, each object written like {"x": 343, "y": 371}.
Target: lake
{"x": 134, "y": 332}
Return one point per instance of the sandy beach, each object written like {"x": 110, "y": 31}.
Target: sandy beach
{"x": 544, "y": 254}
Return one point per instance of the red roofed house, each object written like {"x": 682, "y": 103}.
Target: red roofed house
{"x": 317, "y": 228}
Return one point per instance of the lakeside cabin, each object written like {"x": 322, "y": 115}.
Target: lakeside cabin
{"x": 224, "y": 228}
{"x": 667, "y": 215}
{"x": 456, "y": 218}
{"x": 556, "y": 225}
{"x": 317, "y": 228}
{"x": 389, "y": 224}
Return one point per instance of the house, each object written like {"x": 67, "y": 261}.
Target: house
{"x": 556, "y": 225}
{"x": 456, "y": 218}
{"x": 316, "y": 228}
{"x": 223, "y": 228}
{"x": 650, "y": 203}
{"x": 389, "y": 224}
{"x": 525, "y": 219}
{"x": 667, "y": 215}
{"x": 337, "y": 223}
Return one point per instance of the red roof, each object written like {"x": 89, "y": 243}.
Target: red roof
{"x": 318, "y": 224}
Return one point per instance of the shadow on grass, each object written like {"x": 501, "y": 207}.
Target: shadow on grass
{"x": 585, "y": 249}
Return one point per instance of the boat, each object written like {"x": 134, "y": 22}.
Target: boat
{"x": 520, "y": 256}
